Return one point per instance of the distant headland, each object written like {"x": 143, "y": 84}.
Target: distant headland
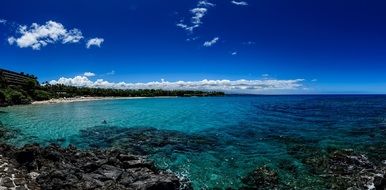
{"x": 21, "y": 88}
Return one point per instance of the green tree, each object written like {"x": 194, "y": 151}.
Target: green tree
{"x": 40, "y": 95}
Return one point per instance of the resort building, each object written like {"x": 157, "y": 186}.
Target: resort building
{"x": 13, "y": 78}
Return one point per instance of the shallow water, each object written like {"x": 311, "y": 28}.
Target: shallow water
{"x": 214, "y": 141}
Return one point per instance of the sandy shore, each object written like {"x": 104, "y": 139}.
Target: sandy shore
{"x": 82, "y": 99}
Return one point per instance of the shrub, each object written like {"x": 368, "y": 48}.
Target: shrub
{"x": 40, "y": 95}
{"x": 13, "y": 97}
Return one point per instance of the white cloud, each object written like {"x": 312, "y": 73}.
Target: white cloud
{"x": 234, "y": 53}
{"x": 94, "y": 42}
{"x": 212, "y": 42}
{"x": 73, "y": 36}
{"x": 186, "y": 27}
{"x": 205, "y": 4}
{"x": 76, "y": 81}
{"x": 37, "y": 36}
{"x": 3, "y": 21}
{"x": 89, "y": 74}
{"x": 250, "y": 86}
{"x": 192, "y": 39}
{"x": 240, "y": 3}
{"x": 197, "y": 14}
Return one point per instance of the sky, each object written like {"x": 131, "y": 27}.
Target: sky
{"x": 243, "y": 46}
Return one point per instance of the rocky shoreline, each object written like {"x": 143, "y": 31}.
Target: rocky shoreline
{"x": 34, "y": 167}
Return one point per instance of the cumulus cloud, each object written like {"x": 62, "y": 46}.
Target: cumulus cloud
{"x": 197, "y": 14}
{"x": 234, "y": 53}
{"x": 240, "y": 3}
{"x": 37, "y": 36}
{"x": 94, "y": 42}
{"x": 211, "y": 42}
{"x": 76, "y": 81}
{"x": 89, "y": 74}
{"x": 3, "y": 21}
{"x": 254, "y": 86}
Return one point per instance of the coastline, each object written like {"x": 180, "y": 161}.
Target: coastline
{"x": 86, "y": 99}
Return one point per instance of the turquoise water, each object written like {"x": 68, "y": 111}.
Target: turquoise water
{"x": 213, "y": 141}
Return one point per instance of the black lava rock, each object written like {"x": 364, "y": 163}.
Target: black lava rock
{"x": 68, "y": 168}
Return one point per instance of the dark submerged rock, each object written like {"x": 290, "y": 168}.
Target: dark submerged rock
{"x": 6, "y": 133}
{"x": 147, "y": 140}
{"x": 380, "y": 182}
{"x": 346, "y": 169}
{"x": 68, "y": 168}
{"x": 261, "y": 178}
{"x": 325, "y": 168}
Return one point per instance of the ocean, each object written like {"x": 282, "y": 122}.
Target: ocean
{"x": 215, "y": 142}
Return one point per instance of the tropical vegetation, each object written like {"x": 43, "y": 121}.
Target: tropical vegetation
{"x": 31, "y": 90}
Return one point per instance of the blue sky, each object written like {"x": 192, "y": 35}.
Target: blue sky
{"x": 297, "y": 46}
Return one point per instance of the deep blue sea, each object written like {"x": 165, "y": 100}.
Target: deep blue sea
{"x": 213, "y": 141}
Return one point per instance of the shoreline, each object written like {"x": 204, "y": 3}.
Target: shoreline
{"x": 86, "y": 99}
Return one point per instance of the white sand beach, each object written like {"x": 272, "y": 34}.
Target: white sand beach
{"x": 82, "y": 99}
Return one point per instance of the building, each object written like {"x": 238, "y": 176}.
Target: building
{"x": 13, "y": 78}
